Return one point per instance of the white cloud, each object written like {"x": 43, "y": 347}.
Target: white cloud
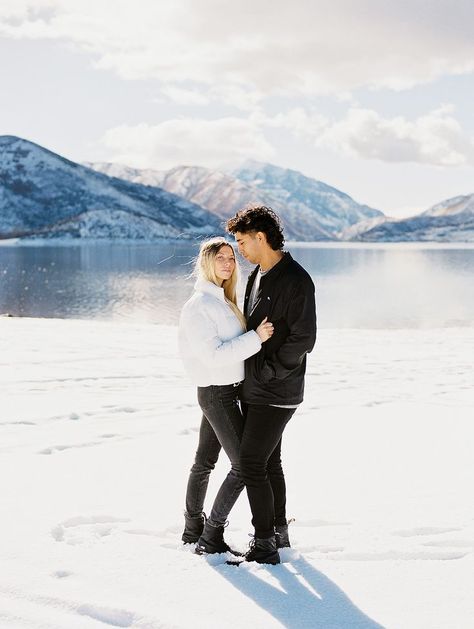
{"x": 19, "y": 11}
{"x": 237, "y": 96}
{"x": 197, "y": 141}
{"x": 187, "y": 141}
{"x": 435, "y": 138}
{"x": 327, "y": 46}
{"x": 233, "y": 95}
{"x": 183, "y": 96}
{"x": 303, "y": 123}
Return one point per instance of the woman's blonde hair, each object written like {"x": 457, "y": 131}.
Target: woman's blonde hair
{"x": 205, "y": 269}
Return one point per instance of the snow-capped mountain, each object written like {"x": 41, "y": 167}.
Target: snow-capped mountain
{"x": 44, "y": 194}
{"x": 310, "y": 209}
{"x": 144, "y": 176}
{"x": 352, "y": 232}
{"x": 452, "y": 207}
{"x": 449, "y": 221}
{"x": 220, "y": 193}
{"x": 324, "y": 216}
{"x": 306, "y": 198}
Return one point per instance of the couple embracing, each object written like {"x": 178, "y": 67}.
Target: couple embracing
{"x": 249, "y": 370}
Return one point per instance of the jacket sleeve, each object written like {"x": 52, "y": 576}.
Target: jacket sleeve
{"x": 201, "y": 333}
{"x": 301, "y": 321}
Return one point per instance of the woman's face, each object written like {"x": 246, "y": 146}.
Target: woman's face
{"x": 224, "y": 263}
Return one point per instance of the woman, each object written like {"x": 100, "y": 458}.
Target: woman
{"x": 213, "y": 345}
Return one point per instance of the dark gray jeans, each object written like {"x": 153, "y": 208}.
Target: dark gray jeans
{"x": 261, "y": 468}
{"x": 222, "y": 425}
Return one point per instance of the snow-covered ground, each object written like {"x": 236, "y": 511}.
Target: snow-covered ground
{"x": 98, "y": 430}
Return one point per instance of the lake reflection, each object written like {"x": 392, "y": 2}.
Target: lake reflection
{"x": 357, "y": 285}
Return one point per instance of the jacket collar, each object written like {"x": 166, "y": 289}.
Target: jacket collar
{"x": 209, "y": 288}
{"x": 274, "y": 271}
{"x": 280, "y": 265}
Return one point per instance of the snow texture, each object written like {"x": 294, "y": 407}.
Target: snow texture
{"x": 99, "y": 429}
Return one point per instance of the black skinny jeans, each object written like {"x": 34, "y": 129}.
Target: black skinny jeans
{"x": 222, "y": 425}
{"x": 260, "y": 465}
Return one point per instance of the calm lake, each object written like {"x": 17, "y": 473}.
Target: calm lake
{"x": 357, "y": 285}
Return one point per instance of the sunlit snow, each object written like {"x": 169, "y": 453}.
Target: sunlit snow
{"x": 98, "y": 432}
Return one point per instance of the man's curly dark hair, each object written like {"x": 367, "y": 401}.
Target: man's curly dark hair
{"x": 258, "y": 218}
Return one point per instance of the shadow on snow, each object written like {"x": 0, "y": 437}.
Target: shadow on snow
{"x": 309, "y": 598}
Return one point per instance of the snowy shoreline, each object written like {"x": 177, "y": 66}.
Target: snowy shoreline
{"x": 98, "y": 433}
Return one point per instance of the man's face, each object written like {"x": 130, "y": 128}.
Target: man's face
{"x": 249, "y": 246}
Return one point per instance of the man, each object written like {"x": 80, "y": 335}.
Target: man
{"x": 280, "y": 289}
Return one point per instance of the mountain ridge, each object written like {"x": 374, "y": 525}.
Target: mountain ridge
{"x": 451, "y": 220}
{"x": 46, "y": 195}
{"x": 41, "y": 191}
{"x": 224, "y": 193}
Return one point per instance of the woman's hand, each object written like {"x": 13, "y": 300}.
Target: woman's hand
{"x": 265, "y": 330}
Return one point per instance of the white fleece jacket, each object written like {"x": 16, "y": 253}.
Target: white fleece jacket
{"x": 212, "y": 343}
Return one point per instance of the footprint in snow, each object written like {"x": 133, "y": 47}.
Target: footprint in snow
{"x": 62, "y": 574}
{"x": 89, "y": 444}
{"x": 62, "y": 447}
{"x": 108, "y": 615}
{"x": 450, "y": 543}
{"x": 188, "y": 431}
{"x": 84, "y": 530}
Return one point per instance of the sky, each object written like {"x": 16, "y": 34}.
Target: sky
{"x": 375, "y": 98}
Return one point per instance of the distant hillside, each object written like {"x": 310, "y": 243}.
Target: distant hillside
{"x": 222, "y": 194}
{"x": 43, "y": 194}
{"x": 449, "y": 221}
{"x": 310, "y": 210}
{"x": 306, "y": 198}
{"x": 218, "y": 192}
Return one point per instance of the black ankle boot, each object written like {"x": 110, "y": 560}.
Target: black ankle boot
{"x": 263, "y": 551}
{"x": 212, "y": 541}
{"x": 193, "y": 528}
{"x": 281, "y": 535}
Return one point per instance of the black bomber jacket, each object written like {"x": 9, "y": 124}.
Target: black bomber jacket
{"x": 275, "y": 375}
